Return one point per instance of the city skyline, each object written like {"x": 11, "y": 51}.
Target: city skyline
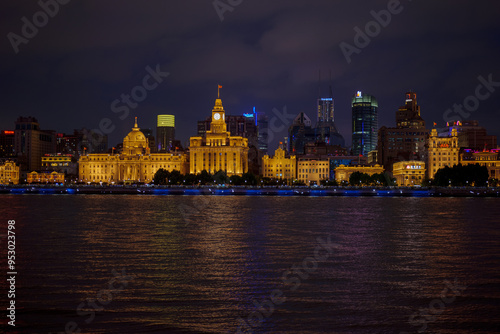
{"x": 237, "y": 166}
{"x": 65, "y": 73}
{"x": 272, "y": 145}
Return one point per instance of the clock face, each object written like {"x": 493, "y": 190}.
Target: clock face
{"x": 216, "y": 116}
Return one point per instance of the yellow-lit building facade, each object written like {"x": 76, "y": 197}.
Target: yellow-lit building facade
{"x": 45, "y": 177}
{"x": 9, "y": 173}
{"x": 488, "y": 158}
{"x": 409, "y": 173}
{"x": 343, "y": 173}
{"x": 217, "y": 149}
{"x": 313, "y": 171}
{"x": 279, "y": 166}
{"x": 52, "y": 161}
{"x": 134, "y": 165}
{"x": 442, "y": 152}
{"x": 62, "y": 163}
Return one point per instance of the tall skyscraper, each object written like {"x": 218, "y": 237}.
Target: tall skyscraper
{"x": 325, "y": 109}
{"x": 31, "y": 143}
{"x": 364, "y": 124}
{"x": 407, "y": 140}
{"x": 325, "y": 129}
{"x": 7, "y": 144}
{"x": 165, "y": 133}
{"x": 408, "y": 116}
{"x": 67, "y": 144}
{"x": 299, "y": 134}
{"x": 325, "y": 105}
{"x": 261, "y": 122}
{"x": 150, "y": 138}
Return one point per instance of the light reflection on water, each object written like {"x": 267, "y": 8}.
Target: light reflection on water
{"x": 200, "y": 262}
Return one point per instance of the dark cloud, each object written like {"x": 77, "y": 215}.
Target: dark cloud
{"x": 265, "y": 53}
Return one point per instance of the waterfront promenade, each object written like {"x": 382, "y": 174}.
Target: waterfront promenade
{"x": 253, "y": 191}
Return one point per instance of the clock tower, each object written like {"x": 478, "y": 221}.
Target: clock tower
{"x": 218, "y": 124}
{"x": 217, "y": 150}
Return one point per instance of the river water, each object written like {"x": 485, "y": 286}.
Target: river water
{"x": 224, "y": 264}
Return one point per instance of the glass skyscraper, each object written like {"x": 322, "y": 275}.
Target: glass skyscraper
{"x": 165, "y": 133}
{"x": 325, "y": 129}
{"x": 364, "y": 124}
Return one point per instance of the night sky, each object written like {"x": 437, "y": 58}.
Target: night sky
{"x": 265, "y": 54}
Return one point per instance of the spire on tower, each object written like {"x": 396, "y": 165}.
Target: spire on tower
{"x": 319, "y": 83}
{"x": 331, "y": 90}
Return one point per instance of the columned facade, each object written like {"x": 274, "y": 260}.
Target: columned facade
{"x": 217, "y": 149}
{"x": 443, "y": 151}
{"x": 135, "y": 164}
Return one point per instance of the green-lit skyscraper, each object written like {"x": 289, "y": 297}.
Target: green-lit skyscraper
{"x": 364, "y": 123}
{"x": 165, "y": 133}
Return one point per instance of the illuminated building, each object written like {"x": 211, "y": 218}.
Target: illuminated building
{"x": 7, "y": 144}
{"x": 31, "y": 143}
{"x": 263, "y": 128}
{"x": 408, "y": 116}
{"x": 471, "y": 135}
{"x": 301, "y": 134}
{"x": 312, "y": 171}
{"x": 407, "y": 140}
{"x": 364, "y": 123}
{"x": 343, "y": 173}
{"x": 325, "y": 128}
{"x": 80, "y": 142}
{"x": 45, "y": 177}
{"x": 325, "y": 109}
{"x": 257, "y": 141}
{"x": 372, "y": 157}
{"x": 323, "y": 149}
{"x": 218, "y": 149}
{"x": 244, "y": 126}
{"x": 237, "y": 125}
{"x": 254, "y": 127}
{"x": 336, "y": 155}
{"x": 165, "y": 133}
{"x": 345, "y": 160}
{"x": 488, "y": 158}
{"x": 9, "y": 173}
{"x": 279, "y": 166}
{"x": 62, "y": 163}
{"x": 442, "y": 151}
{"x": 134, "y": 164}
{"x": 66, "y": 144}
{"x": 409, "y": 173}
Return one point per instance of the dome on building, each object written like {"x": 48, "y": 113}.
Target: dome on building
{"x": 135, "y": 142}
